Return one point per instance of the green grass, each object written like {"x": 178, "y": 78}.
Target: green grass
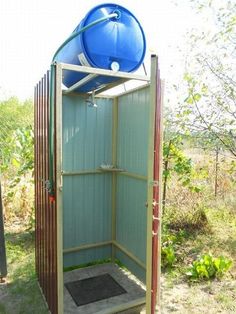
{"x": 217, "y": 237}
{"x": 2, "y": 309}
{"x": 21, "y": 295}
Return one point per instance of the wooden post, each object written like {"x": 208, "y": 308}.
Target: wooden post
{"x": 59, "y": 187}
{"x": 114, "y": 176}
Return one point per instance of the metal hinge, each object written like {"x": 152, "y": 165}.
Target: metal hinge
{"x": 154, "y": 183}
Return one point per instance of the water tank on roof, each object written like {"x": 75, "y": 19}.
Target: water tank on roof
{"x": 117, "y": 43}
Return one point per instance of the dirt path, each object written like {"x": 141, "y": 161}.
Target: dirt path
{"x": 211, "y": 298}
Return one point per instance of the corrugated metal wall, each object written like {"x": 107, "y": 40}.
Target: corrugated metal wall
{"x": 132, "y": 149}
{"x": 45, "y": 211}
{"x": 87, "y": 136}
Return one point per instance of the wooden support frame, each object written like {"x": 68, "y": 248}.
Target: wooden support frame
{"x": 82, "y": 82}
{"x": 89, "y": 70}
{"x": 118, "y": 172}
{"x": 114, "y": 178}
{"x": 129, "y": 254}
{"x": 105, "y": 243}
{"x": 86, "y": 247}
{"x": 59, "y": 207}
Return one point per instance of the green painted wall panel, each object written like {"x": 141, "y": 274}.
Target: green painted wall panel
{"x": 133, "y": 115}
{"x": 131, "y": 215}
{"x": 131, "y": 197}
{"x": 87, "y": 143}
{"x": 133, "y": 267}
{"x": 86, "y": 209}
{"x": 86, "y": 256}
{"x": 87, "y": 134}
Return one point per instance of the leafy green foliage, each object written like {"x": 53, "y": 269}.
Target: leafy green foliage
{"x": 17, "y": 158}
{"x": 168, "y": 256}
{"x": 21, "y": 294}
{"x": 208, "y": 267}
{"x": 188, "y": 219}
{"x": 208, "y": 108}
{"x": 14, "y": 115}
{"x": 170, "y": 241}
{"x": 176, "y": 162}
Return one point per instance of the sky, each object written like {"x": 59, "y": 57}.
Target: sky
{"x": 32, "y": 30}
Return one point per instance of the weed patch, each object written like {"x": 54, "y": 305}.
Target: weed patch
{"x": 21, "y": 295}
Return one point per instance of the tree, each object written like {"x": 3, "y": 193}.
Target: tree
{"x": 210, "y": 78}
{"x": 17, "y": 120}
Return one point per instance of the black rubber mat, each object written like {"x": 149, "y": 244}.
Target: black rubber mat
{"x": 94, "y": 289}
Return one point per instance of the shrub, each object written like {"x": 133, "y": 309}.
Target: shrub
{"x": 189, "y": 219}
{"x": 168, "y": 256}
{"x": 209, "y": 267}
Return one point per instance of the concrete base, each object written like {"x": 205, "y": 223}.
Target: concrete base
{"x": 131, "y": 302}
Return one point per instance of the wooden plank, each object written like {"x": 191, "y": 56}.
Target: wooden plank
{"x": 111, "y": 85}
{"x": 36, "y": 176}
{"x": 129, "y": 254}
{"x": 80, "y": 83}
{"x": 41, "y": 258}
{"x": 86, "y": 247}
{"x": 58, "y": 109}
{"x": 114, "y": 178}
{"x": 133, "y": 175}
{"x": 97, "y": 71}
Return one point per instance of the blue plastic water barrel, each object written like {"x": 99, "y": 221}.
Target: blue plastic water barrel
{"x": 115, "y": 44}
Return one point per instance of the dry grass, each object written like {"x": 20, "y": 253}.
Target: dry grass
{"x": 209, "y": 226}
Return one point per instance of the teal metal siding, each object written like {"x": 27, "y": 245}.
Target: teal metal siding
{"x": 87, "y": 256}
{"x": 87, "y": 133}
{"x": 87, "y": 209}
{"x": 87, "y": 203}
{"x": 87, "y": 136}
{"x": 133, "y": 117}
{"x": 131, "y": 220}
{"x": 131, "y": 197}
{"x": 133, "y": 267}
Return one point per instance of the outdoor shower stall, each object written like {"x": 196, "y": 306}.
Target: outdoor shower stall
{"x": 106, "y": 174}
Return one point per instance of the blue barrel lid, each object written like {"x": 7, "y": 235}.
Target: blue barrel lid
{"x": 118, "y": 41}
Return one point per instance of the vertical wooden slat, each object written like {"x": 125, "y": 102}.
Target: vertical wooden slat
{"x": 40, "y": 192}
{"x": 58, "y": 185}
{"x": 44, "y": 192}
{"x": 114, "y": 176}
{"x": 48, "y": 212}
{"x": 36, "y": 175}
{"x": 54, "y": 220}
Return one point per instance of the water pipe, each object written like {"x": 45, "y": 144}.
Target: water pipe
{"x": 116, "y": 15}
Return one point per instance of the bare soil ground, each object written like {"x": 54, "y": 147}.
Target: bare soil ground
{"x": 211, "y": 297}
